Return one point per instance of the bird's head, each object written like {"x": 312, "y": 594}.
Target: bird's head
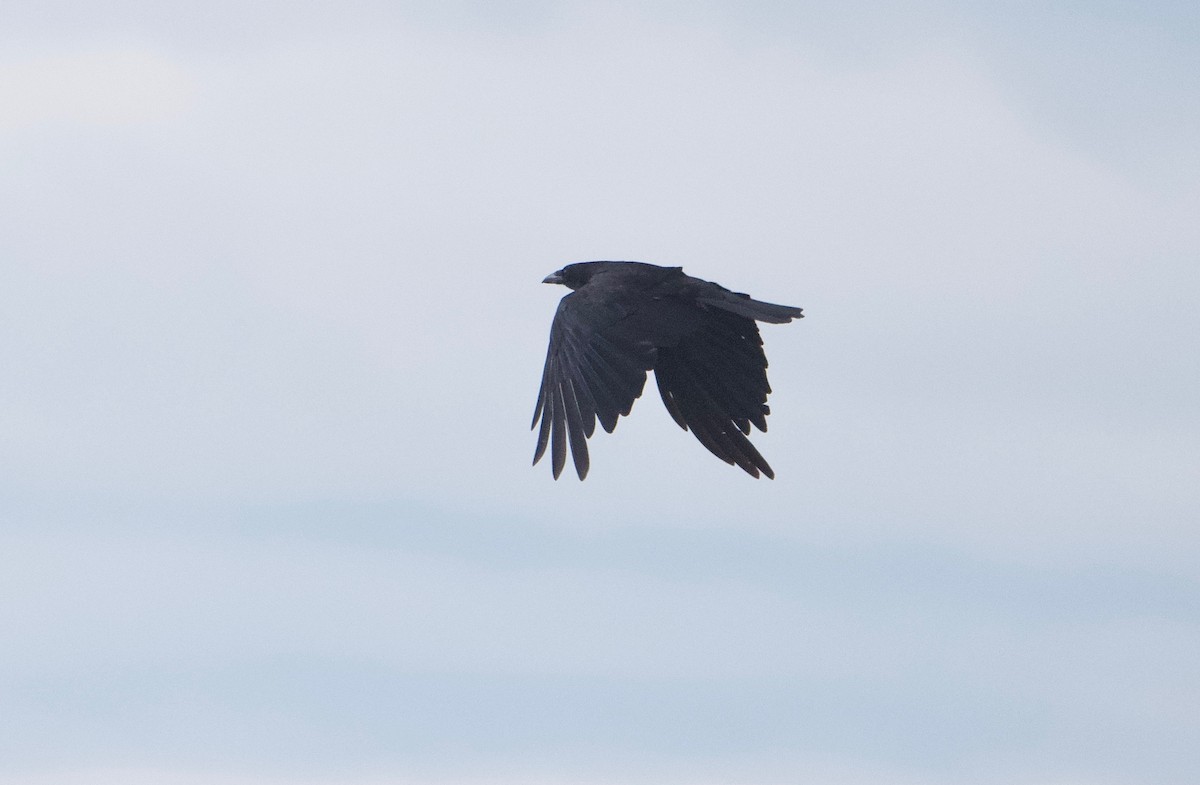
{"x": 572, "y": 276}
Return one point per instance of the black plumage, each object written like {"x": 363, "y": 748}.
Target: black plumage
{"x": 626, "y": 318}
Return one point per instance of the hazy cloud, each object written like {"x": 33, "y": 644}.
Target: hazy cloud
{"x": 271, "y": 328}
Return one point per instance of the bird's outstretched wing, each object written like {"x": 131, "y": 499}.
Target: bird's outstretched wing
{"x": 714, "y": 383}
{"x": 594, "y": 371}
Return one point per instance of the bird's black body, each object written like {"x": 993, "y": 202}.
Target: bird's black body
{"x": 626, "y": 318}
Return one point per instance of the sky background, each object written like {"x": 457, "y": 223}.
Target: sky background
{"x": 271, "y": 331}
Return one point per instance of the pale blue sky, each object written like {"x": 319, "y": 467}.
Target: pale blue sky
{"x": 271, "y": 328}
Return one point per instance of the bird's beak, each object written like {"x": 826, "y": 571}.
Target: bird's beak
{"x": 555, "y": 277}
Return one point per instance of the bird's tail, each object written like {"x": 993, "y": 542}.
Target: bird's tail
{"x": 744, "y": 305}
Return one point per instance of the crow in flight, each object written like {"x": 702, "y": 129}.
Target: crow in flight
{"x": 626, "y": 318}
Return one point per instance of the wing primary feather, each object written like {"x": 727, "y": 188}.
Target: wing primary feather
{"x": 733, "y": 366}
{"x": 537, "y": 410}
{"x": 686, "y": 394}
{"x": 669, "y": 401}
{"x": 558, "y": 435}
{"x": 575, "y": 430}
{"x": 614, "y": 384}
{"x": 586, "y": 387}
{"x": 547, "y": 412}
{"x": 625, "y": 377}
{"x": 741, "y": 401}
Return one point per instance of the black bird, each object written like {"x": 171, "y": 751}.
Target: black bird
{"x": 626, "y": 318}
